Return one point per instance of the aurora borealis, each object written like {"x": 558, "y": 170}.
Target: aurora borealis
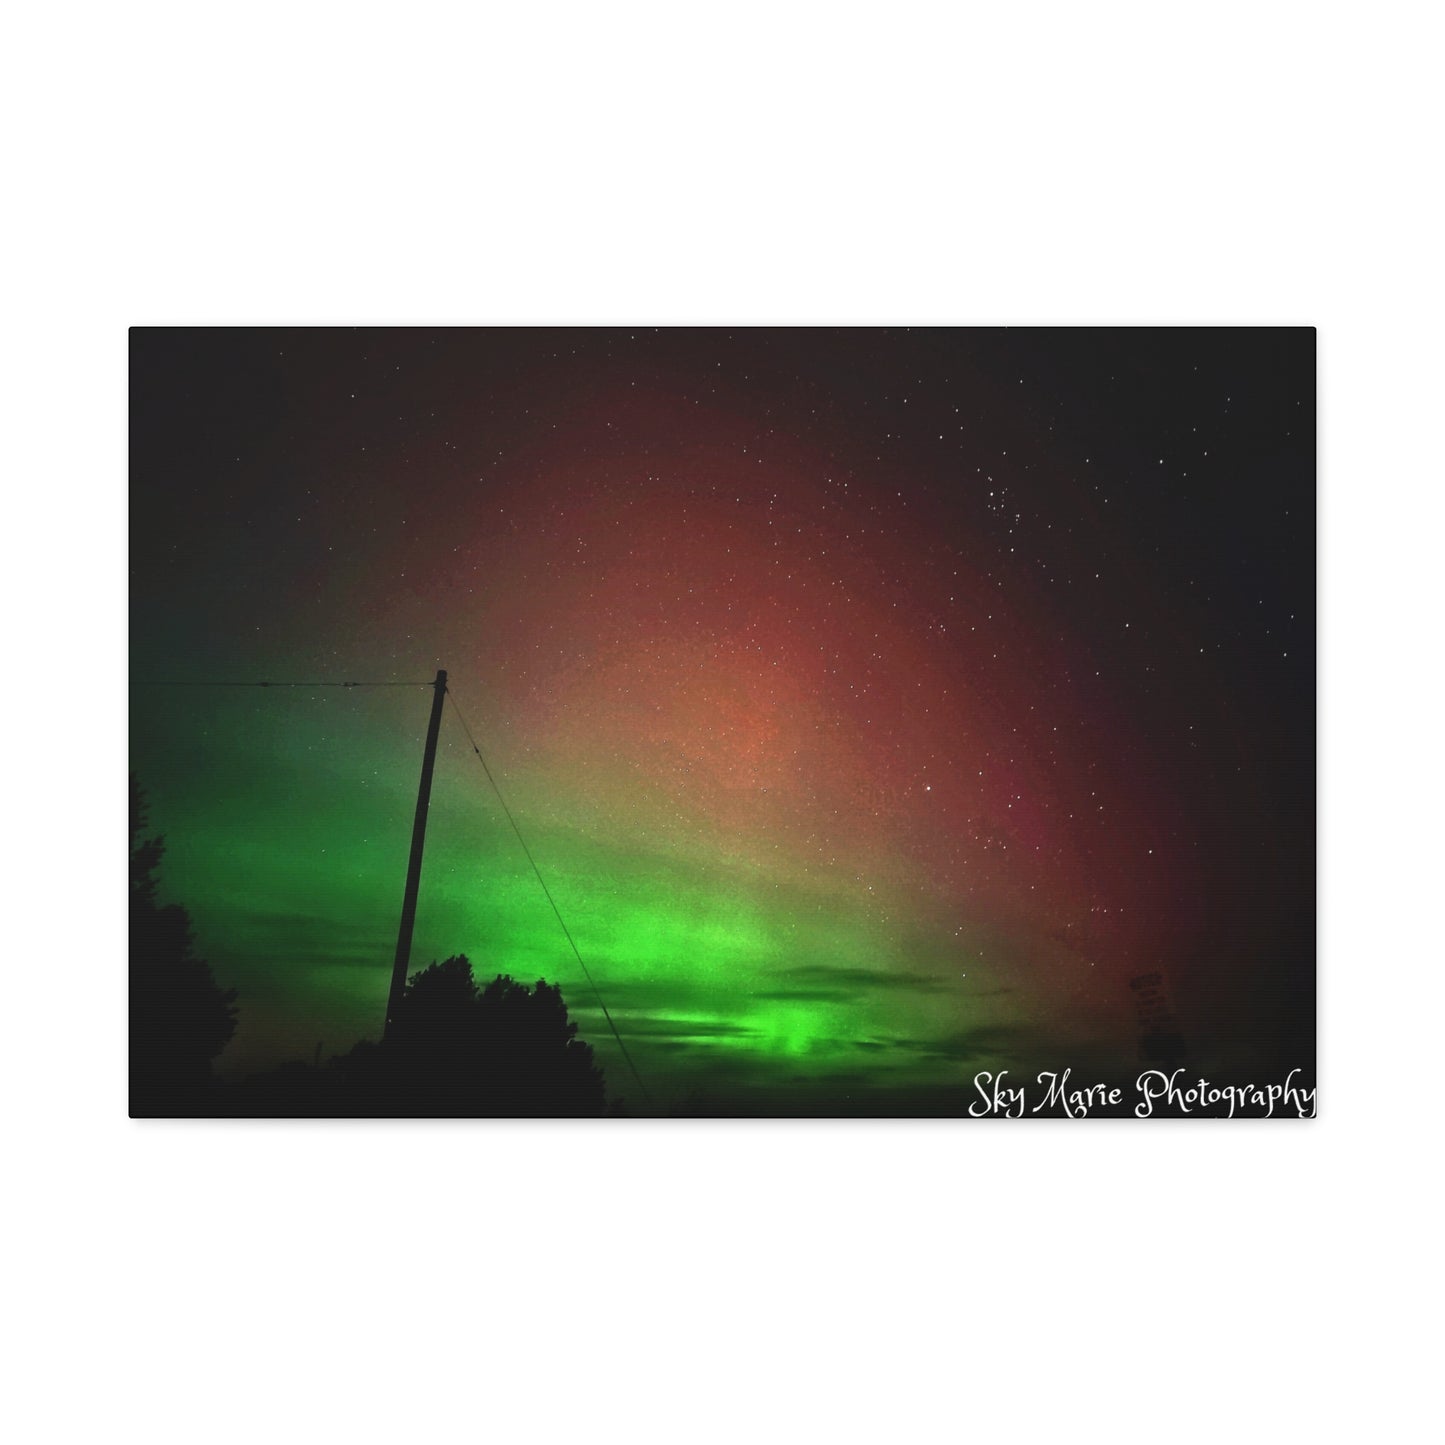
{"x": 876, "y": 703}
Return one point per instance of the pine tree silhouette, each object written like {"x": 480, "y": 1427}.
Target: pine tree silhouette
{"x": 180, "y": 1018}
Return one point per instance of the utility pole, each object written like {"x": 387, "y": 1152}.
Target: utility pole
{"x": 413, "y": 868}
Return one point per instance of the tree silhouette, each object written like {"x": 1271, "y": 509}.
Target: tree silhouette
{"x": 180, "y": 1018}
{"x": 506, "y": 1049}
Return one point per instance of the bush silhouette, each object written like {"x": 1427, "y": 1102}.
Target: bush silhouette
{"x": 457, "y": 1049}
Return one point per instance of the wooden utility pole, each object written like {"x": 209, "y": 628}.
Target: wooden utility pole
{"x": 413, "y": 868}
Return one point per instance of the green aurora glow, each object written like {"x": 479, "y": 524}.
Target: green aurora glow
{"x": 721, "y": 971}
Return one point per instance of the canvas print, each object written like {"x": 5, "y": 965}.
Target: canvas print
{"x": 763, "y": 722}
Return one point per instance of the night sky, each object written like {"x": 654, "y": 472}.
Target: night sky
{"x": 876, "y": 703}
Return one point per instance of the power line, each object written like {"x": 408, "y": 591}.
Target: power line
{"x": 282, "y": 684}
{"x": 585, "y": 972}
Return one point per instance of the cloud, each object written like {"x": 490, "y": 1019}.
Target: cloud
{"x": 807, "y": 995}
{"x": 966, "y": 1045}
{"x": 819, "y": 980}
{"x": 664, "y": 1027}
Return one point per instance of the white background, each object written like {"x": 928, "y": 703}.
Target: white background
{"x": 685, "y": 1282}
